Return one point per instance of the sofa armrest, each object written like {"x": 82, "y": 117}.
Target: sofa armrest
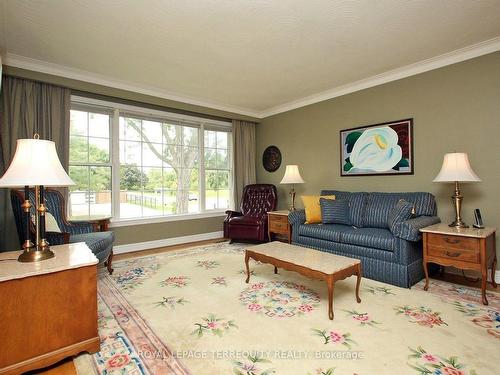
{"x": 297, "y": 217}
{"x": 410, "y": 229}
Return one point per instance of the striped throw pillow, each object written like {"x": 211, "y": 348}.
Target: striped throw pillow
{"x": 335, "y": 211}
{"x": 402, "y": 211}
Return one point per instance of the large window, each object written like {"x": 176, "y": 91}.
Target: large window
{"x": 132, "y": 163}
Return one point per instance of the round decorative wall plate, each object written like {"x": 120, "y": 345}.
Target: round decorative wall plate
{"x": 271, "y": 159}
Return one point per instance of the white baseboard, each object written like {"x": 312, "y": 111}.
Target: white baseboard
{"x": 138, "y": 246}
{"x": 456, "y": 271}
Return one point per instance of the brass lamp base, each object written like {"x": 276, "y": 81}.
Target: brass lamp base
{"x": 35, "y": 255}
{"x": 457, "y": 205}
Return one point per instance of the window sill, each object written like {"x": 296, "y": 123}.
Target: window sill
{"x": 163, "y": 219}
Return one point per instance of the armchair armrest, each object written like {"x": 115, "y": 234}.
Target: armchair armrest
{"x": 57, "y": 238}
{"x": 231, "y": 214}
{"x": 410, "y": 229}
{"x": 80, "y": 227}
{"x": 297, "y": 217}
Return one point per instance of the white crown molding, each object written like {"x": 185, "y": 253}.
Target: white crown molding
{"x": 22, "y": 62}
{"x": 453, "y": 57}
{"x": 139, "y": 246}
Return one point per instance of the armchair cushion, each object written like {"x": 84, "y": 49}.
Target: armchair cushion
{"x": 245, "y": 220}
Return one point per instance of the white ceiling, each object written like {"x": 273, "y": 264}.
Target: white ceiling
{"x": 252, "y": 57}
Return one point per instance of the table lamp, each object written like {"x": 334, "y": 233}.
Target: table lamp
{"x": 35, "y": 163}
{"x": 456, "y": 168}
{"x": 292, "y": 176}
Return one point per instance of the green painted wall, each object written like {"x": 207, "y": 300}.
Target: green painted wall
{"x": 455, "y": 108}
{"x": 146, "y": 232}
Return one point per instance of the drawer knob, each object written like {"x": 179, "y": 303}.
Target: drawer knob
{"x": 452, "y": 241}
{"x": 452, "y": 255}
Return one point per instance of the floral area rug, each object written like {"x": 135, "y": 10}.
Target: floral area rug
{"x": 191, "y": 312}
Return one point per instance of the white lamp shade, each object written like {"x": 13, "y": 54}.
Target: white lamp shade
{"x": 35, "y": 163}
{"x": 456, "y": 167}
{"x": 292, "y": 175}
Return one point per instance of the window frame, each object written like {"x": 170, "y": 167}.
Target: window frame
{"x": 116, "y": 110}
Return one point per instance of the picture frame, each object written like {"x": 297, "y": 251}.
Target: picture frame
{"x": 377, "y": 150}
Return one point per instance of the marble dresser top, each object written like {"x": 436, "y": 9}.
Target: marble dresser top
{"x": 443, "y": 228}
{"x": 68, "y": 256}
{"x": 302, "y": 256}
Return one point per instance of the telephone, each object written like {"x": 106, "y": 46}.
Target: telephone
{"x": 478, "y": 219}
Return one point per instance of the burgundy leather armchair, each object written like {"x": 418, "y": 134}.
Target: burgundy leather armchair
{"x": 251, "y": 222}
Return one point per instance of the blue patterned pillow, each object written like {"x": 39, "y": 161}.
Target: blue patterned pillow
{"x": 335, "y": 211}
{"x": 402, "y": 211}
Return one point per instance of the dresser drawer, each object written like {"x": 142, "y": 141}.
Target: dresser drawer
{"x": 454, "y": 242}
{"x": 470, "y": 256}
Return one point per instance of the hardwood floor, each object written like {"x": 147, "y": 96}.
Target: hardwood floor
{"x": 67, "y": 367}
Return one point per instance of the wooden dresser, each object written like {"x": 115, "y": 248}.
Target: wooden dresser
{"x": 462, "y": 248}
{"x": 277, "y": 222}
{"x": 48, "y": 309}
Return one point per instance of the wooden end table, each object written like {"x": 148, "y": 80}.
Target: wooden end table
{"x": 462, "y": 248}
{"x": 49, "y": 308}
{"x": 307, "y": 262}
{"x": 277, "y": 223}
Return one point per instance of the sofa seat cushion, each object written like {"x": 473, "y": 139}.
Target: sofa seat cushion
{"x": 329, "y": 232}
{"x": 245, "y": 220}
{"x": 376, "y": 238}
{"x": 100, "y": 243}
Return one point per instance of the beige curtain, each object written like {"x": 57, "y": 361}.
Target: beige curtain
{"x": 243, "y": 157}
{"x": 29, "y": 107}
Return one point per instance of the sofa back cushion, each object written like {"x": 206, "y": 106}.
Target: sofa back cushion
{"x": 378, "y": 206}
{"x": 357, "y": 203}
{"x": 335, "y": 211}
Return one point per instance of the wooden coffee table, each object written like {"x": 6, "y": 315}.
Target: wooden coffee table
{"x": 307, "y": 262}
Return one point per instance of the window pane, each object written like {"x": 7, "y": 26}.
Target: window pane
{"x": 222, "y": 159}
{"x": 78, "y": 205}
{"x": 130, "y": 153}
{"x": 190, "y": 137}
{"x": 98, "y": 125}
{"x": 222, "y": 140}
{"x": 78, "y": 149}
{"x": 211, "y": 180}
{"x": 130, "y": 129}
{"x": 169, "y": 202}
{"x": 152, "y": 196}
{"x": 172, "y": 155}
{"x": 78, "y": 123}
{"x": 223, "y": 180}
{"x": 152, "y": 130}
{"x": 151, "y": 154}
{"x": 210, "y": 139}
{"x": 223, "y": 199}
{"x": 99, "y": 197}
{"x": 98, "y": 150}
{"x": 169, "y": 179}
{"x": 194, "y": 179}
{"x": 210, "y": 158}
{"x": 190, "y": 157}
{"x": 194, "y": 201}
{"x": 211, "y": 199}
{"x": 172, "y": 134}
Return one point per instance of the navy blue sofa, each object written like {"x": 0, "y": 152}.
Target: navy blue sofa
{"x": 385, "y": 257}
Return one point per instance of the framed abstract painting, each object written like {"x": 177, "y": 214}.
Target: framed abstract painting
{"x": 380, "y": 149}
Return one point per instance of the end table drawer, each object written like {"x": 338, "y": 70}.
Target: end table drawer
{"x": 278, "y": 226}
{"x": 453, "y": 253}
{"x": 278, "y": 219}
{"x": 455, "y": 242}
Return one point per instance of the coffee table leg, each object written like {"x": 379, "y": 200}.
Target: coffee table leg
{"x": 275, "y": 269}
{"x": 247, "y": 258}
{"x": 331, "y": 285}
{"x": 358, "y": 282}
